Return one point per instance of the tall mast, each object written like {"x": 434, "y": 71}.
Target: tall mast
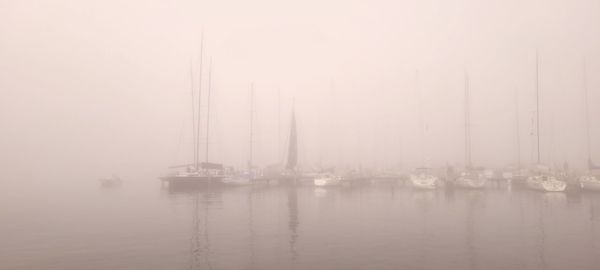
{"x": 468, "y": 162}
{"x": 279, "y": 125}
{"x": 199, "y": 102}
{"x": 518, "y": 128}
{"x": 292, "y": 158}
{"x": 251, "y": 125}
{"x": 537, "y": 103}
{"x": 421, "y": 118}
{"x": 208, "y": 105}
{"x": 193, "y": 112}
{"x": 587, "y": 116}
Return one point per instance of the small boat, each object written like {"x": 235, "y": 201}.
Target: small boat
{"x": 544, "y": 182}
{"x": 589, "y": 182}
{"x": 327, "y": 180}
{"x": 423, "y": 179}
{"x": 471, "y": 179}
{"x": 109, "y": 182}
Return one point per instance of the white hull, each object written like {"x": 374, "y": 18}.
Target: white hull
{"x": 546, "y": 183}
{"x": 476, "y": 181}
{"x": 423, "y": 181}
{"x": 589, "y": 182}
{"x": 327, "y": 181}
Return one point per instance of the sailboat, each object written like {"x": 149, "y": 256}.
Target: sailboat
{"x": 469, "y": 178}
{"x": 251, "y": 174}
{"x": 197, "y": 173}
{"x": 543, "y": 179}
{"x": 422, "y": 178}
{"x": 516, "y": 174}
{"x": 588, "y": 181}
{"x": 288, "y": 173}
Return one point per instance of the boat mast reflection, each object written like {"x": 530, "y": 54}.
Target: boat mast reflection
{"x": 200, "y": 248}
{"x": 293, "y": 220}
{"x": 474, "y": 200}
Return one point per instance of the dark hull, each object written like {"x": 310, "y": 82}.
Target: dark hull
{"x": 192, "y": 181}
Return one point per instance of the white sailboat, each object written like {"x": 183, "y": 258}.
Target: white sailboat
{"x": 327, "y": 179}
{"x": 543, "y": 179}
{"x": 588, "y": 181}
{"x": 470, "y": 178}
{"x": 546, "y": 182}
{"x": 422, "y": 178}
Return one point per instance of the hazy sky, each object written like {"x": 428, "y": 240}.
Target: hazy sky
{"x": 104, "y": 86}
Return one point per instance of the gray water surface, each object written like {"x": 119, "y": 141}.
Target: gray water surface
{"x": 143, "y": 226}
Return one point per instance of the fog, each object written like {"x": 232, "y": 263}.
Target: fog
{"x": 99, "y": 87}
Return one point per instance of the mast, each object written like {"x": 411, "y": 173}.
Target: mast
{"x": 518, "y": 128}
{"x": 199, "y": 103}
{"x": 251, "y": 125}
{"x": 278, "y": 125}
{"x": 468, "y": 162}
{"x": 587, "y": 116}
{"x": 292, "y": 159}
{"x": 208, "y": 106}
{"x": 193, "y": 112}
{"x": 421, "y": 118}
{"x": 537, "y": 103}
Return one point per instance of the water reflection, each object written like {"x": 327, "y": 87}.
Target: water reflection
{"x": 251, "y": 237}
{"x": 200, "y": 245}
{"x": 294, "y": 221}
{"x": 474, "y": 204}
{"x": 431, "y": 228}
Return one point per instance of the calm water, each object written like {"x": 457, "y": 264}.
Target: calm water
{"x": 141, "y": 226}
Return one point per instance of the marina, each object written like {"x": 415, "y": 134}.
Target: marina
{"x": 300, "y": 135}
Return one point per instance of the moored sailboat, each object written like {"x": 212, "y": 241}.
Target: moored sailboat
{"x": 197, "y": 174}
{"x": 542, "y": 179}
{"x": 327, "y": 179}
{"x": 470, "y": 178}
{"x": 422, "y": 178}
{"x": 588, "y": 181}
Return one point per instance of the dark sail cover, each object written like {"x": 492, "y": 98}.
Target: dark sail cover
{"x": 292, "y": 159}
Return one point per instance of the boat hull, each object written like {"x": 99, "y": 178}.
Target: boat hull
{"x": 471, "y": 182}
{"x": 326, "y": 181}
{"x": 423, "y": 181}
{"x": 546, "y": 183}
{"x": 192, "y": 181}
{"x": 589, "y": 182}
